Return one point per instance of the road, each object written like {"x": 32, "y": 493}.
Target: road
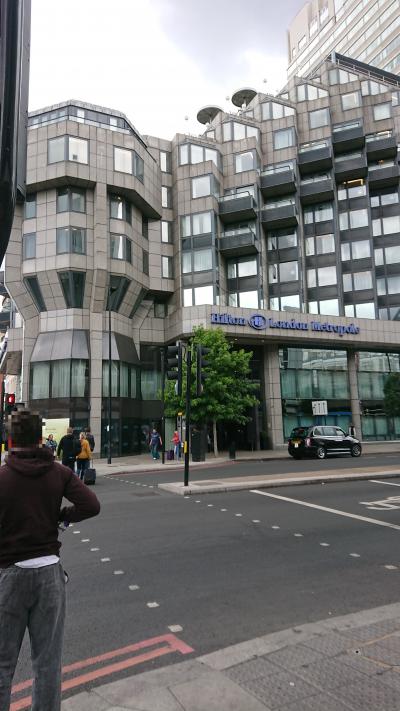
{"x": 219, "y": 569}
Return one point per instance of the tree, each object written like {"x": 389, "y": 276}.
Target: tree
{"x": 391, "y": 390}
{"x": 228, "y": 391}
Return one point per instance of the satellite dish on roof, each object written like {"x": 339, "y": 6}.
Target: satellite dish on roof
{"x": 208, "y": 114}
{"x": 243, "y": 97}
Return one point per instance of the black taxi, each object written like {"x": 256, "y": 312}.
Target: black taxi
{"x": 320, "y": 441}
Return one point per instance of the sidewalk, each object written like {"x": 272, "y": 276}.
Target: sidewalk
{"x": 348, "y": 663}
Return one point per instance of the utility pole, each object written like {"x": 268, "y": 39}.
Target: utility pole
{"x": 163, "y": 404}
{"x": 187, "y": 424}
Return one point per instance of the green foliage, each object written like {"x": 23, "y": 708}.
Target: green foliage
{"x": 391, "y": 391}
{"x": 228, "y": 390}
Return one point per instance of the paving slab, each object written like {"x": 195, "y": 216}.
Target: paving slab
{"x": 214, "y": 692}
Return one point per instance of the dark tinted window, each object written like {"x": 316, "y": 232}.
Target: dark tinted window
{"x": 329, "y": 431}
{"x": 299, "y": 432}
{"x": 339, "y": 432}
{"x": 317, "y": 432}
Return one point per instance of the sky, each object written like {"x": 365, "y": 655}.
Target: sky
{"x": 157, "y": 61}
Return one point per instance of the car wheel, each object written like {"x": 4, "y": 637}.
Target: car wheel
{"x": 355, "y": 450}
{"x": 321, "y": 453}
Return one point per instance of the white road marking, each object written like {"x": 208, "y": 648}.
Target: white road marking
{"x": 133, "y": 587}
{"x": 105, "y": 560}
{"x": 298, "y": 535}
{"x": 354, "y": 555}
{"x": 224, "y": 509}
{"x": 210, "y": 506}
{"x": 375, "y": 521}
{"x": 388, "y": 504}
{"x": 95, "y": 549}
{"x": 388, "y": 483}
{"x": 275, "y": 528}
{"x": 325, "y": 545}
{"x": 118, "y": 572}
{"x": 391, "y": 567}
{"x": 256, "y": 520}
{"x": 153, "y": 604}
{"x": 85, "y": 540}
{"x": 197, "y": 501}
{"x": 238, "y": 514}
{"x": 175, "y": 628}
{"x": 75, "y": 531}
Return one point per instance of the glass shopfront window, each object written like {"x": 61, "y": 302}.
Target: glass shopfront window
{"x": 309, "y": 374}
{"x": 373, "y": 370}
{"x": 59, "y": 379}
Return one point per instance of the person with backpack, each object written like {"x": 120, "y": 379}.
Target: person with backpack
{"x": 32, "y": 580}
{"x": 155, "y": 444}
{"x": 90, "y": 438}
{"x": 83, "y": 458}
{"x": 70, "y": 448}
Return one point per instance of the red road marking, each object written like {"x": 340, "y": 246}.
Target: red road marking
{"x": 172, "y": 644}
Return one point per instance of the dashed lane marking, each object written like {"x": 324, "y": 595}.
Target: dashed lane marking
{"x": 256, "y": 520}
{"x": 105, "y": 560}
{"x": 224, "y": 509}
{"x": 175, "y": 628}
{"x": 75, "y": 531}
{"x": 118, "y": 572}
{"x": 298, "y": 535}
{"x": 209, "y": 506}
{"x": 276, "y": 528}
{"x": 365, "y": 519}
{"x": 94, "y": 549}
{"x": 134, "y": 587}
{"x": 148, "y": 649}
{"x": 239, "y": 514}
{"x": 325, "y": 545}
{"x": 388, "y": 483}
{"x": 354, "y": 555}
{"x": 153, "y": 604}
{"x": 85, "y": 540}
{"x": 391, "y": 567}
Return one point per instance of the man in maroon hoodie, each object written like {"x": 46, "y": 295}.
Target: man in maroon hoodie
{"x": 32, "y": 581}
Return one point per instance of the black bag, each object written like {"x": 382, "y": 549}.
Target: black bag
{"x": 90, "y": 476}
{"x": 170, "y": 455}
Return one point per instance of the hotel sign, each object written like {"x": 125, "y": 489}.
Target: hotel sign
{"x": 261, "y": 323}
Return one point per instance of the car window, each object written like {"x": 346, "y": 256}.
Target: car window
{"x": 317, "y": 432}
{"x": 330, "y": 431}
{"x": 299, "y": 432}
{"x": 339, "y": 432}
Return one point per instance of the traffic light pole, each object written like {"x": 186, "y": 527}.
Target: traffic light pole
{"x": 187, "y": 426}
{"x": 3, "y": 392}
{"x": 163, "y": 357}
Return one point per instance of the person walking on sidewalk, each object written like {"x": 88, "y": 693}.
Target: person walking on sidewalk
{"x": 155, "y": 444}
{"x": 176, "y": 441}
{"x": 70, "y": 448}
{"x": 32, "y": 580}
{"x": 83, "y": 458}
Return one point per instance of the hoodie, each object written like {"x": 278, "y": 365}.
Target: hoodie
{"x": 32, "y": 487}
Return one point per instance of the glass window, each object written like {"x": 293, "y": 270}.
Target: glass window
{"x": 282, "y": 240}
{"x": 248, "y": 299}
{"x": 145, "y": 227}
{"x": 284, "y": 138}
{"x": 166, "y": 267}
{"x": 202, "y": 260}
{"x": 32, "y": 284}
{"x": 386, "y": 225}
{"x": 186, "y": 262}
{"x": 284, "y": 272}
{"x": 247, "y": 267}
{"x": 273, "y": 110}
{"x": 329, "y": 307}
{"x": 70, "y": 240}
{"x": 201, "y": 186}
{"x": 309, "y": 92}
{"x": 319, "y": 118}
{"x": 29, "y": 246}
{"x": 362, "y": 280}
{"x": 352, "y": 100}
{"x": 78, "y": 149}
{"x": 352, "y": 189}
{"x": 245, "y": 161}
{"x": 160, "y": 311}
{"x": 166, "y": 231}
{"x": 120, "y": 209}
{"x": 121, "y": 247}
{"x": 196, "y": 154}
{"x": 145, "y": 262}
{"x": 165, "y": 196}
{"x": 345, "y": 251}
{"x": 361, "y": 249}
{"x": 118, "y": 286}
{"x": 365, "y": 310}
{"x": 184, "y": 154}
{"x": 327, "y": 276}
{"x": 73, "y": 287}
{"x": 61, "y": 378}
{"x": 123, "y": 160}
{"x": 30, "y": 206}
{"x": 203, "y": 295}
{"x": 382, "y": 111}
{"x": 384, "y": 199}
{"x": 318, "y": 213}
{"x": 56, "y": 149}
{"x": 165, "y": 161}
{"x": 40, "y": 381}
{"x": 187, "y": 297}
{"x": 353, "y": 219}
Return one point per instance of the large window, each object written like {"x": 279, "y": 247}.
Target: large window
{"x": 358, "y": 281}
{"x": 199, "y": 295}
{"x": 273, "y": 110}
{"x": 199, "y": 260}
{"x": 282, "y": 239}
{"x": 353, "y": 219}
{"x": 127, "y": 161}
{"x": 118, "y": 286}
{"x": 352, "y": 100}
{"x": 166, "y": 196}
{"x": 325, "y": 307}
{"x": 320, "y": 244}
{"x": 318, "y": 213}
{"x": 245, "y": 161}
{"x": 386, "y": 198}
{"x": 382, "y": 111}
{"x": 29, "y": 246}
{"x": 30, "y": 206}
{"x": 32, "y": 284}
{"x": 71, "y": 240}
{"x": 389, "y": 255}
{"x": 235, "y": 131}
{"x": 340, "y": 76}
{"x": 205, "y": 185}
{"x": 145, "y": 262}
{"x": 59, "y": 379}
{"x": 121, "y": 248}
{"x": 388, "y": 285}
{"x": 386, "y": 225}
{"x": 197, "y": 224}
{"x": 285, "y": 303}
{"x": 71, "y": 200}
{"x": 167, "y": 267}
{"x": 319, "y": 118}
{"x": 120, "y": 209}
{"x": 73, "y": 287}
{"x": 242, "y": 267}
{"x": 364, "y": 310}
{"x": 355, "y": 250}
{"x": 323, "y": 276}
{"x": 352, "y": 189}
{"x": 284, "y": 138}
{"x": 308, "y": 92}
{"x": 165, "y": 161}
{"x": 189, "y": 153}
{"x": 283, "y": 272}
{"x": 124, "y": 380}
{"x": 68, "y": 148}
{"x": 166, "y": 231}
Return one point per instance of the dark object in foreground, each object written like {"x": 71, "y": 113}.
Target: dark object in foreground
{"x": 321, "y": 440}
{"x": 90, "y": 476}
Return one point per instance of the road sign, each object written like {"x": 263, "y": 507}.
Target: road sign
{"x": 319, "y": 407}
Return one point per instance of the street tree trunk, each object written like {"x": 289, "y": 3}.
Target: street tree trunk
{"x": 215, "y": 438}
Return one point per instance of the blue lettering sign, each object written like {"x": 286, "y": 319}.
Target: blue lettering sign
{"x": 259, "y": 322}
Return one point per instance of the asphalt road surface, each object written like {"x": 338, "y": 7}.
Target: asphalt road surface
{"x": 218, "y": 569}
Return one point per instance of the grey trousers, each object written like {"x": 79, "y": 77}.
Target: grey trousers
{"x": 33, "y": 599}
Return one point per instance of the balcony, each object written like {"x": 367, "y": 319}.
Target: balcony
{"x": 314, "y": 191}
{"x": 350, "y": 167}
{"x": 237, "y": 242}
{"x": 382, "y": 176}
{"x": 315, "y": 158}
{"x": 282, "y": 182}
{"x": 347, "y": 138}
{"x": 279, "y": 214}
{"x": 237, "y": 208}
{"x": 381, "y": 146}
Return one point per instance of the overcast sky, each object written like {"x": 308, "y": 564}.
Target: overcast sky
{"x": 157, "y": 61}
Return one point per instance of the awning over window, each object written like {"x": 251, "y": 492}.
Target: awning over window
{"x": 61, "y": 345}
{"x": 122, "y": 348}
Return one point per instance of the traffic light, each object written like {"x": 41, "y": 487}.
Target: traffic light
{"x": 174, "y": 365}
{"x": 9, "y": 402}
{"x": 202, "y": 363}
